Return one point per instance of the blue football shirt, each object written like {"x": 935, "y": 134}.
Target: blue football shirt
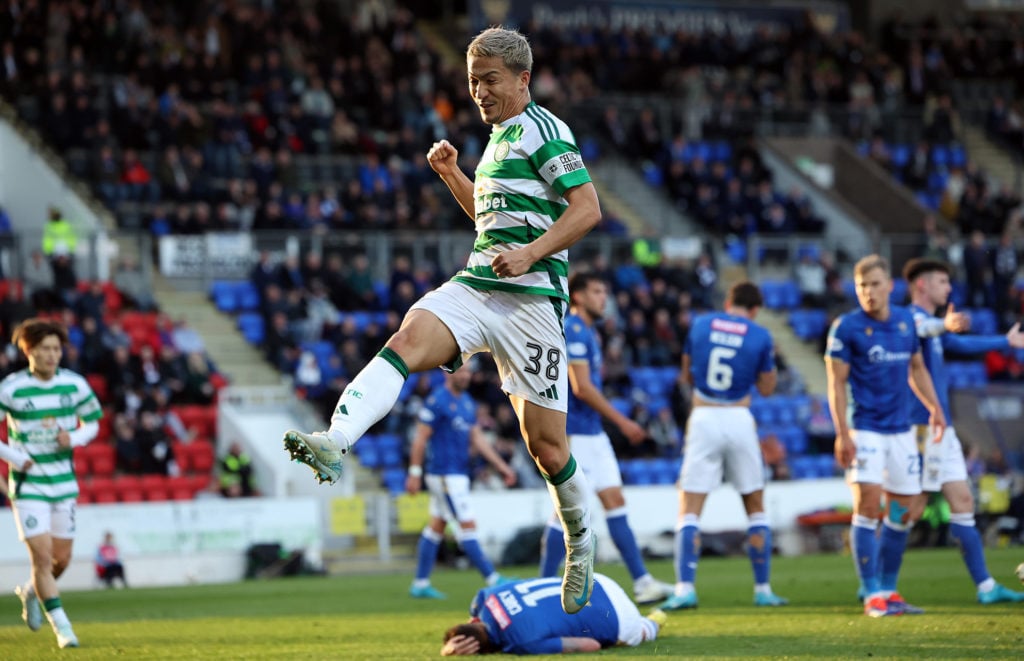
{"x": 879, "y": 354}
{"x": 583, "y": 345}
{"x": 450, "y": 418}
{"x": 526, "y": 617}
{"x": 727, "y": 354}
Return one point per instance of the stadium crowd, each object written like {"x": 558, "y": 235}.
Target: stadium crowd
{"x": 198, "y": 117}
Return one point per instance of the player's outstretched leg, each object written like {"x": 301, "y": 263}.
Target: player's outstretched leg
{"x": 569, "y": 490}
{"x": 965, "y": 533}
{"x": 365, "y": 401}
{"x": 426, "y": 554}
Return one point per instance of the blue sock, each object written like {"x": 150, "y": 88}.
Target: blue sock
{"x": 967, "y": 537}
{"x": 426, "y": 553}
{"x": 759, "y": 547}
{"x": 864, "y": 546}
{"x": 890, "y": 553}
{"x": 687, "y": 550}
{"x": 552, "y": 550}
{"x": 471, "y": 547}
{"x": 625, "y": 541}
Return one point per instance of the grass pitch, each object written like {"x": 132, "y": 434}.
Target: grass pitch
{"x": 370, "y": 617}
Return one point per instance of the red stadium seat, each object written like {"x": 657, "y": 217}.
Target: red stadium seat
{"x": 155, "y": 487}
{"x": 180, "y": 487}
{"x": 102, "y": 458}
{"x": 201, "y": 418}
{"x": 85, "y": 493}
{"x": 199, "y": 483}
{"x": 81, "y": 463}
{"x": 98, "y": 383}
{"x": 202, "y": 455}
{"x": 128, "y": 488}
{"x": 103, "y": 490}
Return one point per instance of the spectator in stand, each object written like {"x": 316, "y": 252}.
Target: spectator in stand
{"x": 37, "y": 277}
{"x": 155, "y": 445}
{"x": 137, "y": 182}
{"x": 108, "y": 562}
{"x": 235, "y": 474}
{"x": 360, "y": 280}
{"x": 978, "y": 269}
{"x": 129, "y": 452}
{"x": 93, "y": 353}
{"x": 198, "y": 388}
{"x": 263, "y": 273}
{"x": 810, "y": 278}
{"x": 1005, "y": 263}
{"x": 92, "y": 302}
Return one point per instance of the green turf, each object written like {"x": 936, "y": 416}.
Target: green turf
{"x": 370, "y": 617}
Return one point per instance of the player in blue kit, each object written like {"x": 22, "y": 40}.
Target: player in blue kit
{"x": 590, "y": 444}
{"x": 524, "y": 618}
{"x": 726, "y": 355}
{"x": 447, "y": 428}
{"x": 875, "y": 351}
{"x": 944, "y": 468}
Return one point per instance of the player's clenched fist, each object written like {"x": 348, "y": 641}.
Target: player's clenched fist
{"x": 443, "y": 157}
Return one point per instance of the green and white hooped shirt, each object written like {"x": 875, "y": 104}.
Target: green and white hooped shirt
{"x": 530, "y": 161}
{"x": 36, "y": 411}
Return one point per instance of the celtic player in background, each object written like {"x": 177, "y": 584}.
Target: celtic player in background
{"x": 510, "y": 299}
{"x": 49, "y": 411}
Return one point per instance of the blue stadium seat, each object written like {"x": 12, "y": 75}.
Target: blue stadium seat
{"x": 247, "y": 296}
{"x": 251, "y": 326}
{"x": 900, "y": 154}
{"x": 957, "y": 156}
{"x": 629, "y": 275}
{"x": 802, "y": 468}
{"x": 940, "y": 155}
{"x": 224, "y": 295}
{"x": 790, "y": 294}
{"x": 794, "y": 439}
{"x": 722, "y": 151}
{"x": 368, "y": 451}
{"x": 652, "y": 175}
{"x": 737, "y": 250}
{"x": 622, "y": 405}
{"x": 394, "y": 480}
{"x": 390, "y": 446}
{"x": 826, "y": 465}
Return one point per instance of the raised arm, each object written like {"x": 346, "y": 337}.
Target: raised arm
{"x": 443, "y": 159}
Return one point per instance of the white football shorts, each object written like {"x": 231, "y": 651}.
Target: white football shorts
{"x": 634, "y": 628}
{"x": 39, "y": 517}
{"x": 594, "y": 454}
{"x": 891, "y": 460}
{"x": 523, "y": 332}
{"x": 449, "y": 497}
{"x": 942, "y": 462}
{"x": 721, "y": 445}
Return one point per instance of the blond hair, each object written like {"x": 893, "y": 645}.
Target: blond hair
{"x": 511, "y": 46}
{"x": 869, "y": 263}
